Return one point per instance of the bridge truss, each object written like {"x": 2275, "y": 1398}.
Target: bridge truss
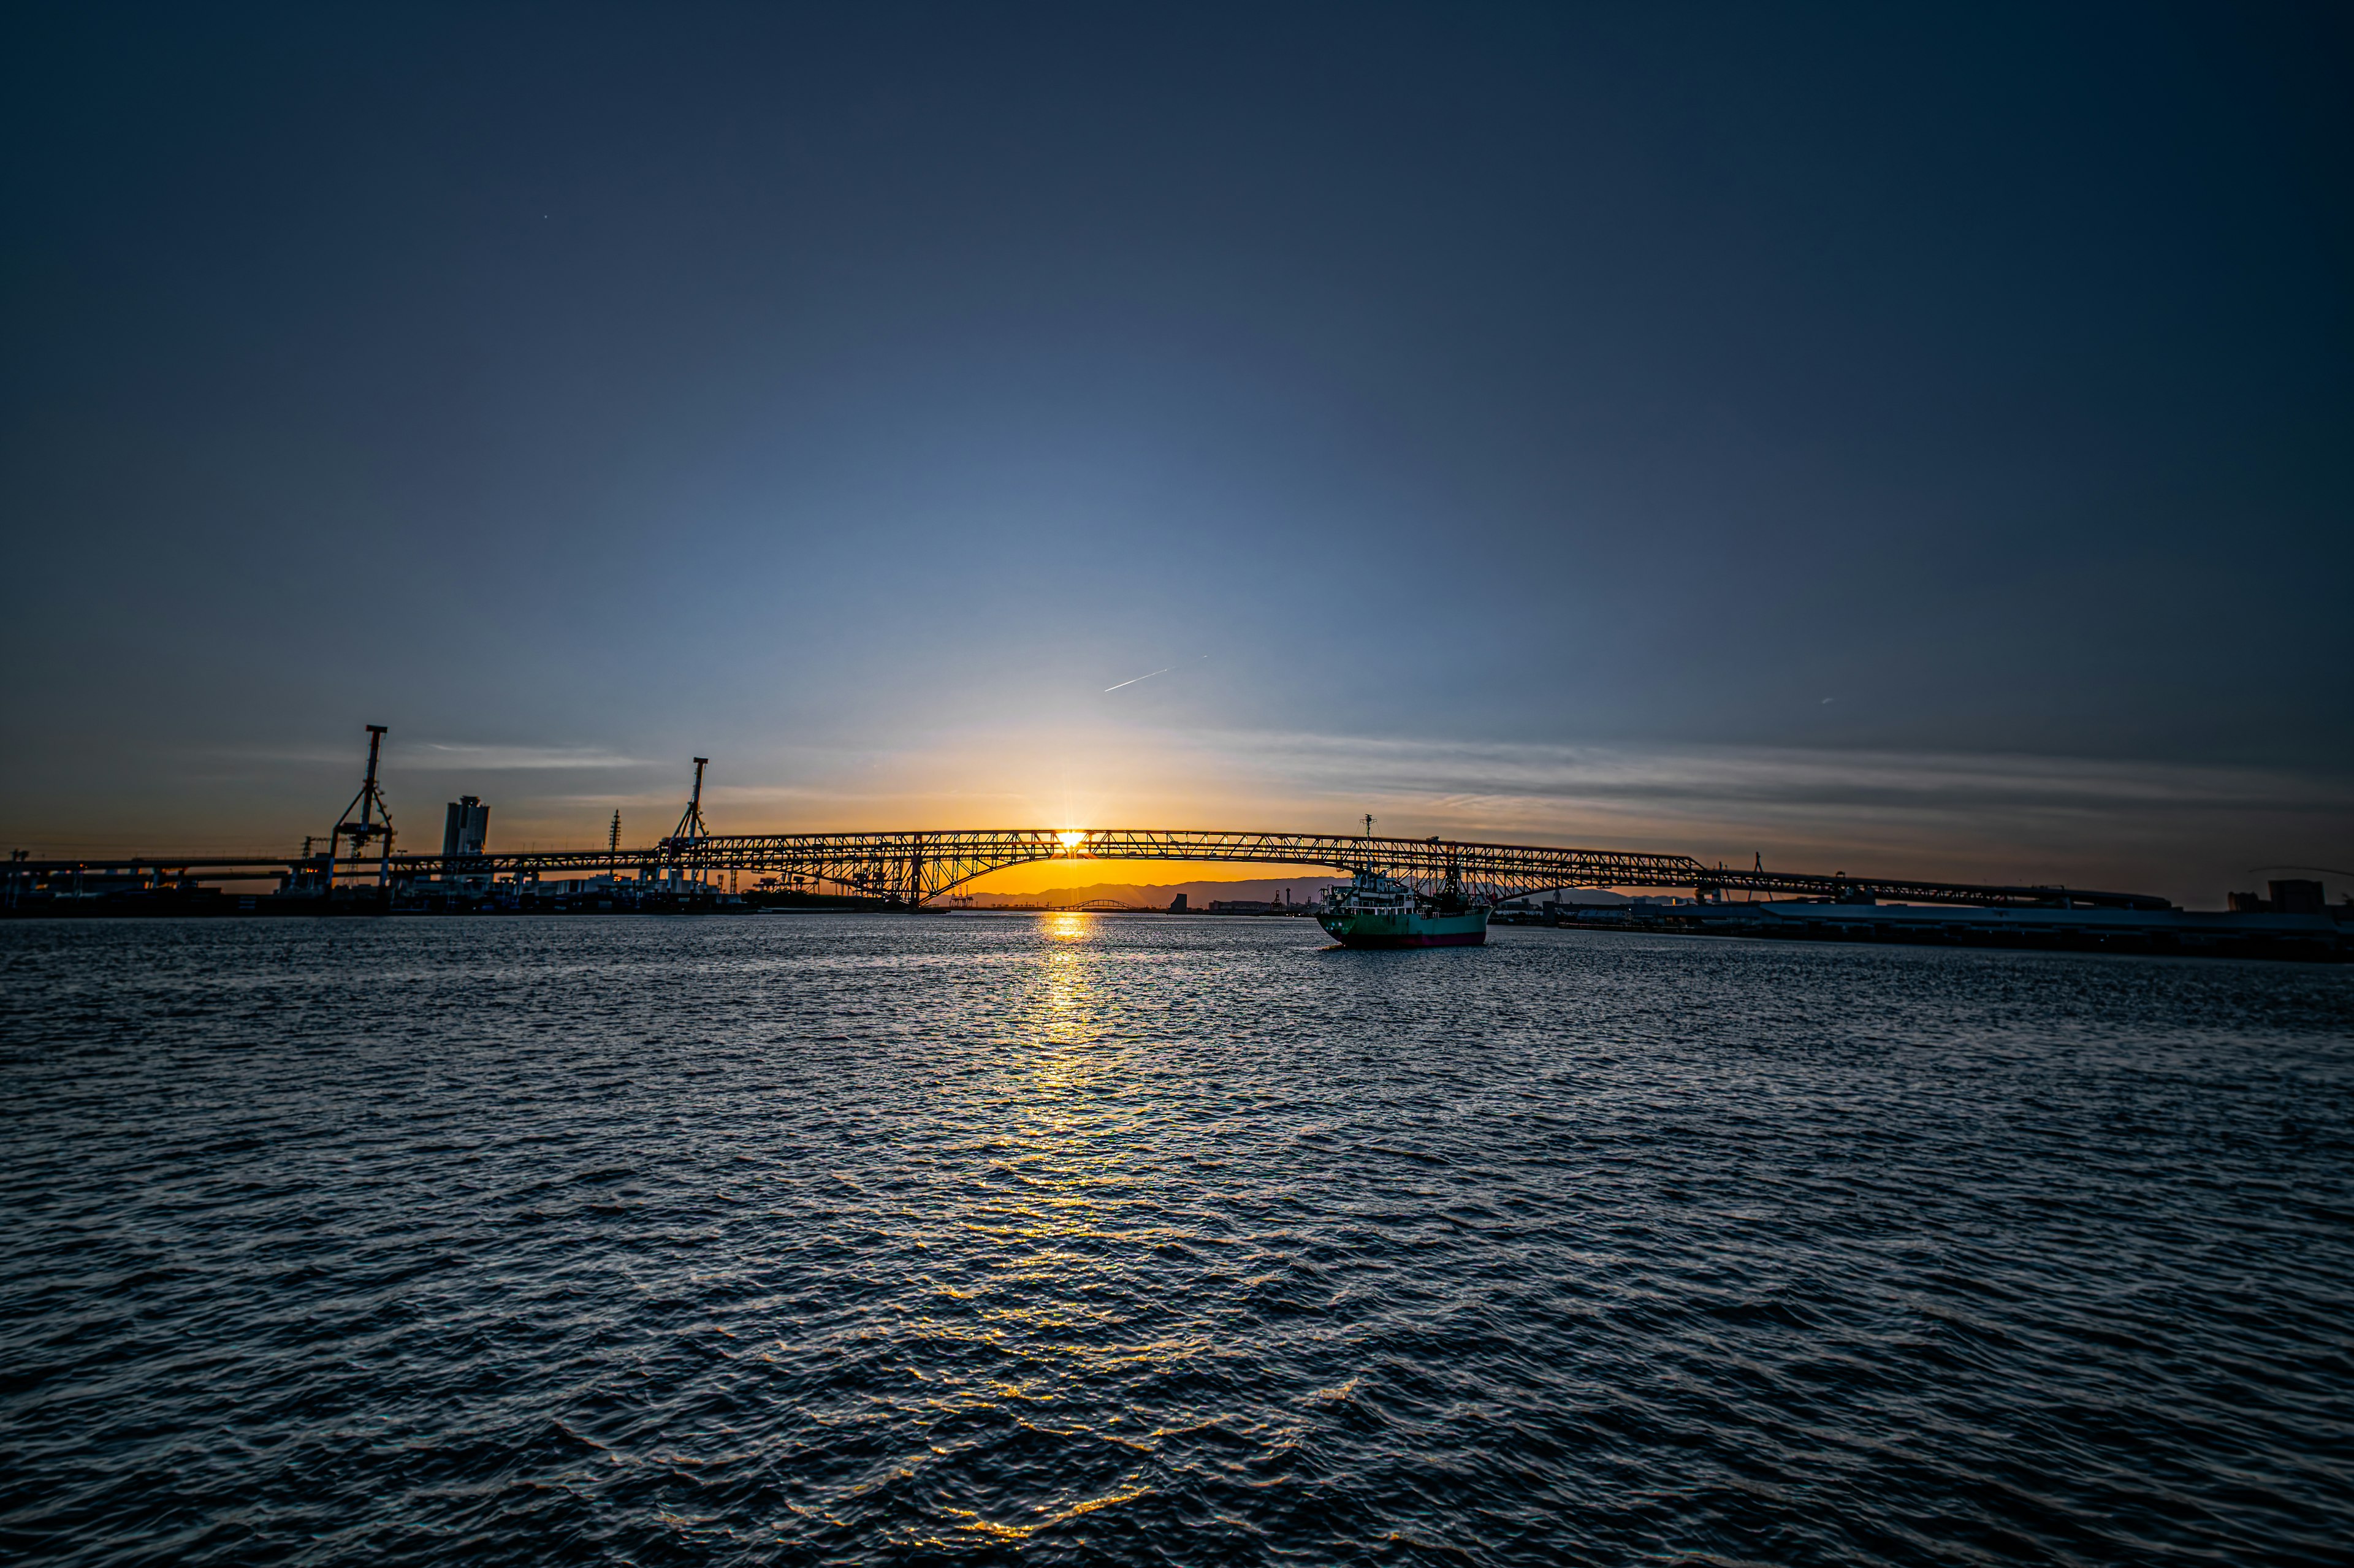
{"x": 912, "y": 868}
{"x": 915, "y": 866}
{"x": 909, "y": 869}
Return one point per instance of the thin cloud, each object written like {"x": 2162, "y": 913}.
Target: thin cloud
{"x": 439, "y": 756}
{"x": 430, "y": 756}
{"x": 1133, "y": 680}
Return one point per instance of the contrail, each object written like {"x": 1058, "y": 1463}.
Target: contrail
{"x": 1162, "y": 671}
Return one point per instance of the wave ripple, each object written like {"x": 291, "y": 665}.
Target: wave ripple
{"x": 1169, "y": 1241}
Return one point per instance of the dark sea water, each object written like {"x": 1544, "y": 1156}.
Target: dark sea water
{"x": 1067, "y": 1239}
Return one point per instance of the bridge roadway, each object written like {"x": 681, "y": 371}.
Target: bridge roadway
{"x": 910, "y": 868}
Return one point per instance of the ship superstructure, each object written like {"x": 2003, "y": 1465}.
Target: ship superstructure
{"x": 1377, "y": 911}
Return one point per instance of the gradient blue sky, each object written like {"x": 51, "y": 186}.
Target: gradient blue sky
{"x": 1917, "y": 440}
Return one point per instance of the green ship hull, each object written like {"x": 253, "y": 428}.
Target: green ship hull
{"x": 1407, "y": 927}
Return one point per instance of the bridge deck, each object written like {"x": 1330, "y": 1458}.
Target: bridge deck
{"x": 912, "y": 867}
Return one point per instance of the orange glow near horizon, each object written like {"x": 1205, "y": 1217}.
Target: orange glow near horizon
{"x": 1043, "y": 875}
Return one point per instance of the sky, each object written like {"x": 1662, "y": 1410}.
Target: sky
{"x": 1908, "y": 440}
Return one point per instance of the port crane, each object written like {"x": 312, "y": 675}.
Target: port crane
{"x": 364, "y": 828}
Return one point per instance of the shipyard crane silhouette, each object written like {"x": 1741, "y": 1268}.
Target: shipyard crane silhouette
{"x": 690, "y": 822}
{"x": 361, "y": 828}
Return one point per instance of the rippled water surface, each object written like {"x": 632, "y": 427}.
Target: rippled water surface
{"x": 802, "y": 1238}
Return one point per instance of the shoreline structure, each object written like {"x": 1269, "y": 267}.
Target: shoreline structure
{"x": 692, "y": 871}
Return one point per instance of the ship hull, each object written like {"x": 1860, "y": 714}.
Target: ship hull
{"x": 1406, "y": 928}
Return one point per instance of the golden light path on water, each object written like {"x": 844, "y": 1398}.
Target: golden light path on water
{"x": 1060, "y": 1207}
{"x": 1186, "y": 1241}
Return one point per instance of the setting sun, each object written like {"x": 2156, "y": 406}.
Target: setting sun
{"x": 1073, "y": 838}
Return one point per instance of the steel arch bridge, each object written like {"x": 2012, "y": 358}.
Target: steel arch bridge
{"x": 908, "y": 869}
{"x": 913, "y": 867}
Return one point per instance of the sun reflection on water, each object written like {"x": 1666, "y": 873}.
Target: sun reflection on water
{"x": 1053, "y": 1287}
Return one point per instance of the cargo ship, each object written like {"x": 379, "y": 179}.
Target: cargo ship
{"x": 1375, "y": 911}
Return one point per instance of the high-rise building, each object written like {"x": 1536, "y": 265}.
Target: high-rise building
{"x": 466, "y": 827}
